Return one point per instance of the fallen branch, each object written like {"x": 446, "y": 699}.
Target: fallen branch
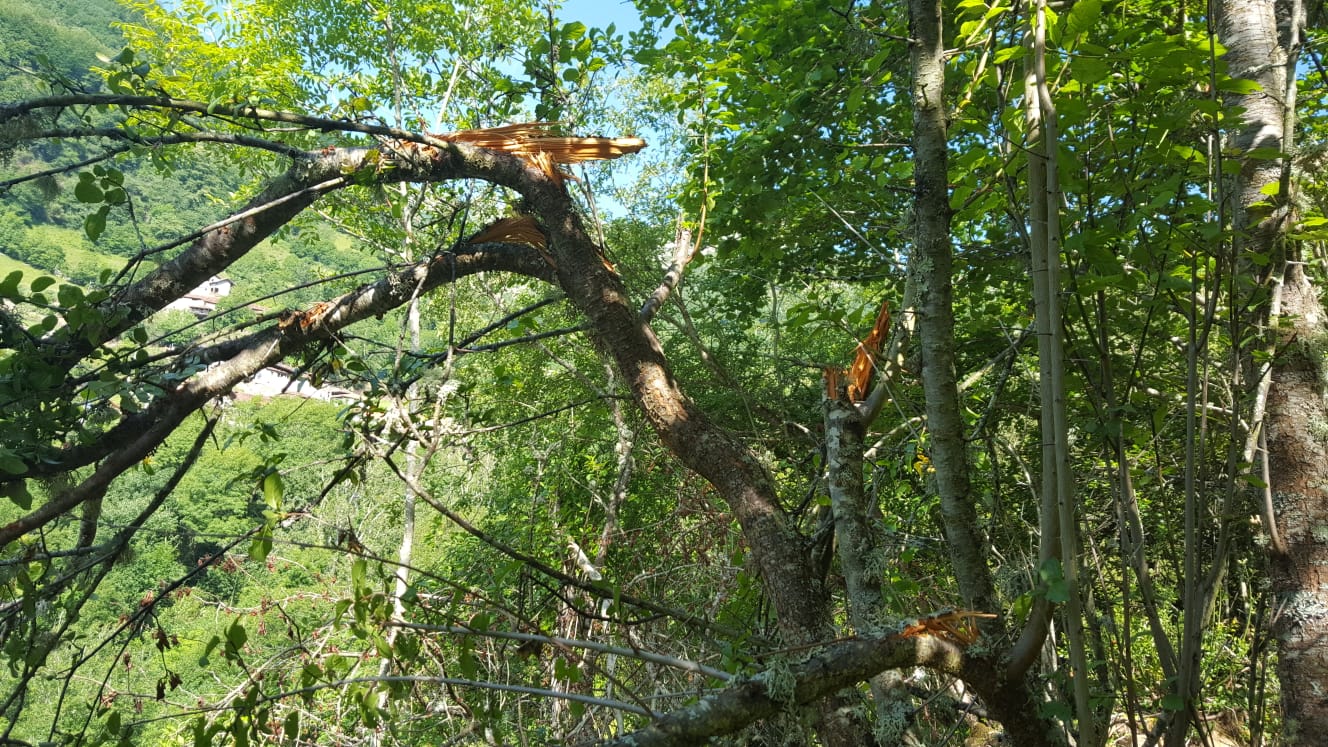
{"x": 683, "y": 252}
{"x": 837, "y": 666}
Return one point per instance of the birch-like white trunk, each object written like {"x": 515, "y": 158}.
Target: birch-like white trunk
{"x": 1262, "y": 42}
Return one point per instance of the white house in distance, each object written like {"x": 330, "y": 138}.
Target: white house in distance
{"x": 272, "y": 381}
{"x": 202, "y": 301}
{"x": 280, "y": 379}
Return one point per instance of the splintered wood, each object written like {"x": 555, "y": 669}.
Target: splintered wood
{"x": 955, "y": 626}
{"x": 518, "y": 230}
{"x": 859, "y": 375}
{"x": 864, "y": 363}
{"x": 536, "y": 143}
{"x": 302, "y": 319}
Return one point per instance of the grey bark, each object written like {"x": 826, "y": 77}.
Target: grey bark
{"x": 860, "y": 547}
{"x": 931, "y": 274}
{"x": 788, "y": 685}
{"x": 931, "y": 269}
{"x": 1058, "y": 513}
{"x": 1262, "y": 41}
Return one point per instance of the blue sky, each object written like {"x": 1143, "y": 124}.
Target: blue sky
{"x": 600, "y": 13}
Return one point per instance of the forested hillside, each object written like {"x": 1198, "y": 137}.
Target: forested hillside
{"x": 43, "y": 221}
{"x": 840, "y": 373}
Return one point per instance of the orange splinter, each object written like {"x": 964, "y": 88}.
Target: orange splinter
{"x": 864, "y": 363}
{"x": 534, "y": 142}
{"x": 518, "y": 230}
{"x": 955, "y": 626}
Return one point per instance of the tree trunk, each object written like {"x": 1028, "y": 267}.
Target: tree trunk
{"x": 931, "y": 274}
{"x": 1057, "y": 522}
{"x": 861, "y": 551}
{"x": 779, "y": 552}
{"x": 931, "y": 267}
{"x": 1298, "y": 460}
{"x": 1262, "y": 41}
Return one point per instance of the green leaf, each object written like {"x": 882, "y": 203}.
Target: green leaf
{"x": 236, "y": 637}
{"x": 1082, "y": 17}
{"x": 290, "y": 728}
{"x": 261, "y": 546}
{"x": 42, "y": 283}
{"x": 1023, "y": 604}
{"x": 1057, "y": 710}
{"x": 239, "y": 731}
{"x": 273, "y": 490}
{"x": 69, "y": 295}
{"x": 562, "y": 669}
{"x": 1238, "y": 86}
{"x": 1053, "y": 577}
{"x": 1173, "y": 702}
{"x": 95, "y": 225}
{"x": 1254, "y": 480}
{"x": 309, "y": 674}
{"x": 87, "y": 191}
{"x": 1054, "y": 25}
{"x": 1187, "y": 153}
{"x": 16, "y": 490}
{"x": 9, "y": 286}
{"x": 208, "y": 649}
